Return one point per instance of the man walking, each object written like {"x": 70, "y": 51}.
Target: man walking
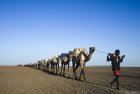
{"x": 115, "y": 63}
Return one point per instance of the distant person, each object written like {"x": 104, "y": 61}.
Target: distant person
{"x": 115, "y": 63}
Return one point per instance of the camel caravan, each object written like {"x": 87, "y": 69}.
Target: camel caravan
{"x": 79, "y": 57}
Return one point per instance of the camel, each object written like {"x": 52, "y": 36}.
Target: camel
{"x": 41, "y": 65}
{"x": 47, "y": 64}
{"x": 55, "y": 64}
{"x": 80, "y": 60}
{"x": 38, "y": 64}
{"x": 65, "y": 59}
{"x": 35, "y": 65}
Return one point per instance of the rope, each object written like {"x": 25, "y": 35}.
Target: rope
{"x": 101, "y": 51}
{"x": 104, "y": 52}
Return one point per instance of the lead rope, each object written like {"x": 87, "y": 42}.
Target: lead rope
{"x": 101, "y": 51}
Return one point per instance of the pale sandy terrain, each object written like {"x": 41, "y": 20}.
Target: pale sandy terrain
{"x": 24, "y": 80}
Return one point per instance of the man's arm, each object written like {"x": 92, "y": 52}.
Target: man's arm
{"x": 121, "y": 60}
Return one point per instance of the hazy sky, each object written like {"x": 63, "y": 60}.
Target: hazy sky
{"x": 32, "y": 30}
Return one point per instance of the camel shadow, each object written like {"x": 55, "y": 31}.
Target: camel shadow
{"x": 90, "y": 82}
{"x": 50, "y": 73}
{"x": 68, "y": 77}
{"x": 71, "y": 78}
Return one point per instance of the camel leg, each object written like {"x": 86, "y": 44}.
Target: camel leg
{"x": 82, "y": 71}
{"x": 81, "y": 74}
{"x": 73, "y": 64}
{"x": 84, "y": 75}
{"x": 44, "y": 67}
{"x": 64, "y": 71}
{"x": 51, "y": 68}
{"x": 61, "y": 68}
{"x": 74, "y": 71}
{"x": 47, "y": 68}
{"x": 39, "y": 66}
{"x": 68, "y": 69}
{"x": 47, "y": 65}
{"x": 58, "y": 67}
{"x": 54, "y": 68}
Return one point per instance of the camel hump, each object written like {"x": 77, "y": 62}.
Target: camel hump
{"x": 46, "y": 60}
{"x": 54, "y": 59}
{"x": 77, "y": 51}
{"x": 41, "y": 62}
{"x": 70, "y": 53}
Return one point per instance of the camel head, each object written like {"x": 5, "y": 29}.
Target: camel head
{"x": 91, "y": 49}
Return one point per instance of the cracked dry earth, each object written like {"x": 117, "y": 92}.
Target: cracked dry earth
{"x": 25, "y": 80}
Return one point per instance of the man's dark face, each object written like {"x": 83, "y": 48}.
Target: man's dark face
{"x": 117, "y": 54}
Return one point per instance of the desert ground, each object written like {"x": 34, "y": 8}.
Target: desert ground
{"x": 26, "y": 80}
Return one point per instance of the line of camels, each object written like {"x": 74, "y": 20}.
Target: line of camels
{"x": 78, "y": 56}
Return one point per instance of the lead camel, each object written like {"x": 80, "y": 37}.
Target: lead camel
{"x": 81, "y": 60}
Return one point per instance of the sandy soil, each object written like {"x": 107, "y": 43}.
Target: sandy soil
{"x": 24, "y": 80}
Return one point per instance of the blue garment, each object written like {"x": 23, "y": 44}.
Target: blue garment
{"x": 64, "y": 54}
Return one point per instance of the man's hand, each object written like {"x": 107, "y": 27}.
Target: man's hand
{"x": 123, "y": 56}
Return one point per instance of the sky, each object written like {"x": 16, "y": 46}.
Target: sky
{"x": 32, "y": 30}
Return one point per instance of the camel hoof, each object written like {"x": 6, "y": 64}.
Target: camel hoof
{"x": 79, "y": 79}
{"x": 63, "y": 75}
{"x": 76, "y": 78}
